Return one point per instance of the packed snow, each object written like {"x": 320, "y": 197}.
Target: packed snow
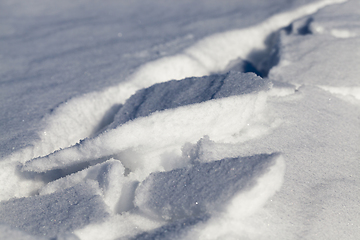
{"x": 180, "y": 119}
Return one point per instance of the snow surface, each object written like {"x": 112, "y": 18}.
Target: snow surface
{"x": 180, "y": 119}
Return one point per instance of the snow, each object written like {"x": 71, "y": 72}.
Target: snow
{"x": 107, "y": 177}
{"x": 56, "y": 213}
{"x": 208, "y": 186}
{"x": 304, "y": 56}
{"x": 210, "y": 54}
{"x": 169, "y": 129}
{"x": 179, "y": 120}
{"x": 8, "y": 232}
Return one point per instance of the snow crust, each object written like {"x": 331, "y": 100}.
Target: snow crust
{"x": 56, "y": 213}
{"x": 190, "y": 146}
{"x": 208, "y": 186}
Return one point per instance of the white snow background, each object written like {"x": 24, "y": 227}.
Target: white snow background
{"x": 186, "y": 119}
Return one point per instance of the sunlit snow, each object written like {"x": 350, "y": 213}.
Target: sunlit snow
{"x": 180, "y": 119}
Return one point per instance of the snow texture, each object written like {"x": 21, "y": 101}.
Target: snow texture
{"x": 172, "y": 127}
{"x": 207, "y": 186}
{"x": 50, "y": 215}
{"x": 174, "y": 94}
{"x": 306, "y": 53}
{"x": 175, "y": 119}
{"x": 81, "y": 117}
{"x": 107, "y": 177}
{"x": 7, "y": 232}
